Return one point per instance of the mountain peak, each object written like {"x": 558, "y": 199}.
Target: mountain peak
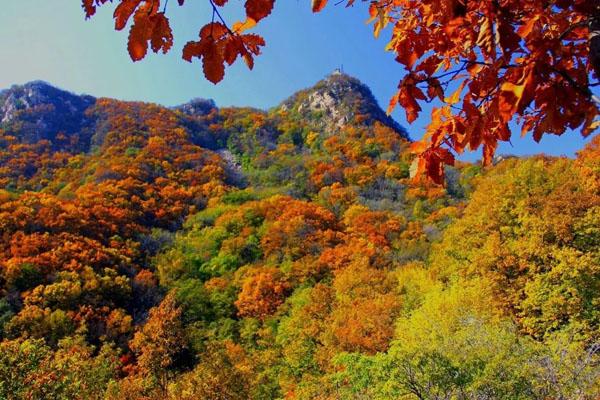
{"x": 337, "y": 100}
{"x": 21, "y": 98}
{"x": 39, "y": 84}
{"x": 197, "y": 106}
{"x": 41, "y": 110}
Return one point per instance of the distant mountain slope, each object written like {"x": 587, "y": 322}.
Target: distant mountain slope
{"x": 41, "y": 122}
{"x": 38, "y": 111}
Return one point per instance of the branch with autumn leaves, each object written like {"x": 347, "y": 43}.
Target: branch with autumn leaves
{"x": 218, "y": 43}
{"x": 528, "y": 61}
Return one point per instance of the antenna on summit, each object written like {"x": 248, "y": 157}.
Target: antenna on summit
{"x": 338, "y": 71}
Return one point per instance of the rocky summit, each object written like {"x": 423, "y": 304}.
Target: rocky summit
{"x": 337, "y": 100}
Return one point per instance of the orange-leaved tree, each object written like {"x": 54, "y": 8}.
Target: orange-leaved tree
{"x": 484, "y": 63}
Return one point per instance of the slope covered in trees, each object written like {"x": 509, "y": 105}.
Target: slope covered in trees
{"x": 234, "y": 253}
{"x": 533, "y": 62}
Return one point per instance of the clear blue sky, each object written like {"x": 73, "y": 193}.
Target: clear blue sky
{"x": 50, "y": 40}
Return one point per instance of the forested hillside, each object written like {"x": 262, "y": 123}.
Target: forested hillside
{"x": 199, "y": 252}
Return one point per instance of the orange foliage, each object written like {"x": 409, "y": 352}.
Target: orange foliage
{"x": 262, "y": 293}
{"x": 73, "y": 253}
{"x": 363, "y": 315}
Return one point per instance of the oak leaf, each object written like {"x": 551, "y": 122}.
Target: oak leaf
{"x": 318, "y": 5}
{"x": 124, "y": 11}
{"x": 258, "y": 9}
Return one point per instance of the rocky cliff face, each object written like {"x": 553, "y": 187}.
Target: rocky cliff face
{"x": 336, "y": 101}
{"x": 198, "y": 106}
{"x": 39, "y": 111}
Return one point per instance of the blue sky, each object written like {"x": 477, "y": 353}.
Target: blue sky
{"x": 50, "y": 40}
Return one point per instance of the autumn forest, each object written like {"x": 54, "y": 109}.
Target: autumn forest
{"x": 311, "y": 250}
{"x": 231, "y": 253}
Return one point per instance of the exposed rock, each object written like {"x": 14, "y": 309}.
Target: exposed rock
{"x": 197, "y": 107}
{"x": 235, "y": 175}
{"x": 41, "y": 111}
{"x": 336, "y": 101}
{"x": 498, "y": 158}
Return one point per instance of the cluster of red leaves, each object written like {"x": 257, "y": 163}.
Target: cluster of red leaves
{"x": 218, "y": 43}
{"x": 150, "y": 25}
{"x": 504, "y": 59}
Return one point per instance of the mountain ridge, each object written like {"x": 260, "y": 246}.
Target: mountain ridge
{"x": 333, "y": 96}
{"x": 43, "y": 123}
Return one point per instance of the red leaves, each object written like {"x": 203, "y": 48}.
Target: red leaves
{"x": 162, "y": 36}
{"x": 486, "y": 40}
{"x": 149, "y": 27}
{"x": 218, "y": 45}
{"x": 515, "y": 96}
{"x": 407, "y": 97}
{"x": 525, "y": 30}
{"x": 430, "y": 162}
{"x": 212, "y": 63}
{"x": 124, "y": 11}
{"x": 89, "y": 6}
{"x": 434, "y": 89}
{"x": 318, "y": 5}
{"x": 377, "y": 14}
{"x": 511, "y": 59}
{"x": 258, "y": 9}
{"x": 137, "y": 44}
